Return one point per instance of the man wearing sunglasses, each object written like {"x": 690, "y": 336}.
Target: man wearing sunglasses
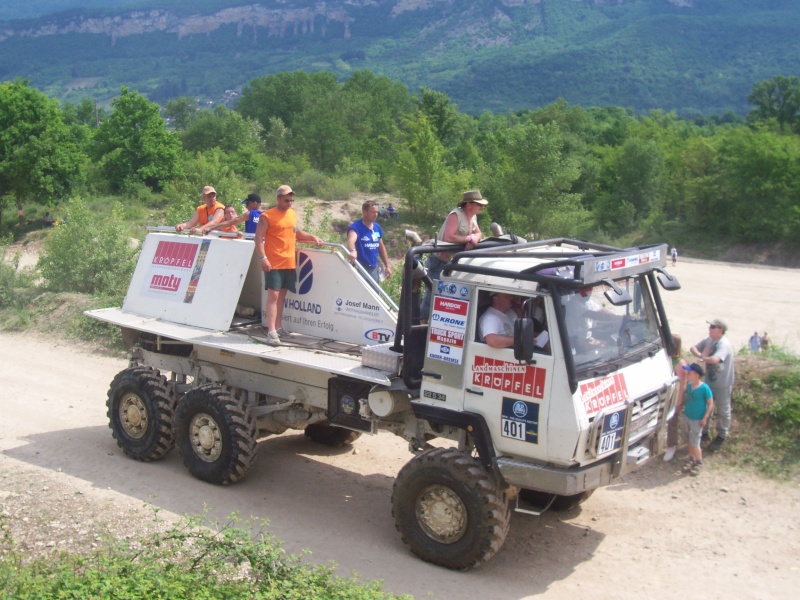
{"x": 209, "y": 213}
{"x": 276, "y": 239}
{"x": 716, "y": 351}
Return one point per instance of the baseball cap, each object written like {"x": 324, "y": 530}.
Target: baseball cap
{"x": 209, "y": 190}
{"x": 694, "y": 367}
{"x": 252, "y": 198}
{"x": 719, "y": 323}
{"x": 284, "y": 190}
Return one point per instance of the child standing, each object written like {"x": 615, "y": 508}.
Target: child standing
{"x": 696, "y": 412}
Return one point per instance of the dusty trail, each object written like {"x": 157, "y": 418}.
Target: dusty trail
{"x": 656, "y": 534}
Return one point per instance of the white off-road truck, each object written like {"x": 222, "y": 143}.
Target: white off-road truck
{"x": 580, "y": 399}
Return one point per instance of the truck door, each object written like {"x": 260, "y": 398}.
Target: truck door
{"x": 452, "y": 314}
{"x": 512, "y": 397}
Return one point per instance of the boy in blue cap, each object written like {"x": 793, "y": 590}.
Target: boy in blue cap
{"x": 696, "y": 412}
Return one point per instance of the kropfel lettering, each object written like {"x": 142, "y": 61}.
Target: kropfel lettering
{"x": 179, "y": 255}
{"x": 603, "y": 393}
{"x": 508, "y": 377}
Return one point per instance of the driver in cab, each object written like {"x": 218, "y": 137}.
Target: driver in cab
{"x": 496, "y": 325}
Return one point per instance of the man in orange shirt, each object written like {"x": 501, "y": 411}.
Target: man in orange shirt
{"x": 208, "y": 212}
{"x": 277, "y": 227}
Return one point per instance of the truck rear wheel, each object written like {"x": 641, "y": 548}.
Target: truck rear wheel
{"x": 216, "y": 435}
{"x": 449, "y": 510}
{"x": 559, "y": 502}
{"x": 140, "y": 413}
{"x": 330, "y": 435}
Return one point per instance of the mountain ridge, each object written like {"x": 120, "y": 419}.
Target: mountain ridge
{"x": 591, "y": 52}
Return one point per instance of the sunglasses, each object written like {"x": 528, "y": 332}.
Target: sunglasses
{"x": 713, "y": 327}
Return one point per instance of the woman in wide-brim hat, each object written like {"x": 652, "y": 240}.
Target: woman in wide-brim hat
{"x": 460, "y": 227}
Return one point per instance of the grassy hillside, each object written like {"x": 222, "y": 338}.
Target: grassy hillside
{"x": 485, "y": 54}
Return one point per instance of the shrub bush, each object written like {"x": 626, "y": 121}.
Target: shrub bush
{"x": 88, "y": 255}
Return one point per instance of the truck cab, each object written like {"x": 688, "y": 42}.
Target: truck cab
{"x": 583, "y": 394}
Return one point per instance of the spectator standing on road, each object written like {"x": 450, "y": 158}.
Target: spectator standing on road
{"x": 249, "y": 217}
{"x": 277, "y": 227}
{"x": 697, "y": 409}
{"x": 365, "y": 242}
{"x": 755, "y": 342}
{"x": 765, "y": 341}
{"x": 674, "y": 256}
{"x": 678, "y": 365}
{"x": 460, "y": 227}
{"x": 211, "y": 211}
{"x": 716, "y": 352}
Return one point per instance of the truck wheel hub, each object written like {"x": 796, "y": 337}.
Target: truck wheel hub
{"x": 133, "y": 415}
{"x": 441, "y": 514}
{"x": 206, "y": 438}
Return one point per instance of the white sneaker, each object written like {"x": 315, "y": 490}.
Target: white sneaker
{"x": 273, "y": 339}
{"x": 669, "y": 454}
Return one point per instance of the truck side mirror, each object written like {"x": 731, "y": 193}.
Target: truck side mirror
{"x": 616, "y": 295}
{"x": 523, "y": 340}
{"x": 667, "y": 281}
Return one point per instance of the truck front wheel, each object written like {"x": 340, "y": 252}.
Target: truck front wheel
{"x": 449, "y": 510}
{"x": 216, "y": 435}
{"x": 330, "y": 435}
{"x": 140, "y": 413}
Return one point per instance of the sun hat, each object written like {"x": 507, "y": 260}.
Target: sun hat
{"x": 473, "y": 196}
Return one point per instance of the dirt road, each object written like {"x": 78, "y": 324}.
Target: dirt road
{"x": 656, "y": 534}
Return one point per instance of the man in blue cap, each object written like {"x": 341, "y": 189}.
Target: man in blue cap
{"x": 249, "y": 218}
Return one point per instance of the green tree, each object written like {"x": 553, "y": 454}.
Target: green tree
{"x": 777, "y": 98}
{"x": 530, "y": 190}
{"x": 424, "y": 179}
{"x": 39, "y": 156}
{"x": 181, "y": 110}
{"x": 134, "y": 146}
{"x": 86, "y": 112}
{"x": 283, "y": 95}
{"x": 88, "y": 255}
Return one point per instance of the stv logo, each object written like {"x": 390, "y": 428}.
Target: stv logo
{"x": 614, "y": 422}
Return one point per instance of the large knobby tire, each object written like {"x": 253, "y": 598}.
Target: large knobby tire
{"x": 559, "y": 503}
{"x": 330, "y": 435}
{"x": 449, "y": 510}
{"x": 141, "y": 413}
{"x": 216, "y": 435}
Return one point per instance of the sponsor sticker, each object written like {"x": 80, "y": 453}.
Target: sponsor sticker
{"x": 448, "y": 329}
{"x": 611, "y": 433}
{"x": 603, "y": 393}
{"x": 509, "y": 377}
{"x": 519, "y": 420}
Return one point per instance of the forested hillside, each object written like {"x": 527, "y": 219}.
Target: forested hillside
{"x": 690, "y": 56}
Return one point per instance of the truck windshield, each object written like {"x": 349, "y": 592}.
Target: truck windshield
{"x": 600, "y": 332}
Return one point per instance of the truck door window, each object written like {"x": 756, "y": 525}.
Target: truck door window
{"x": 495, "y": 324}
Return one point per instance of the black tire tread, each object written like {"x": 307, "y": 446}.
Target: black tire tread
{"x": 240, "y": 426}
{"x": 468, "y": 471}
{"x": 154, "y": 384}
